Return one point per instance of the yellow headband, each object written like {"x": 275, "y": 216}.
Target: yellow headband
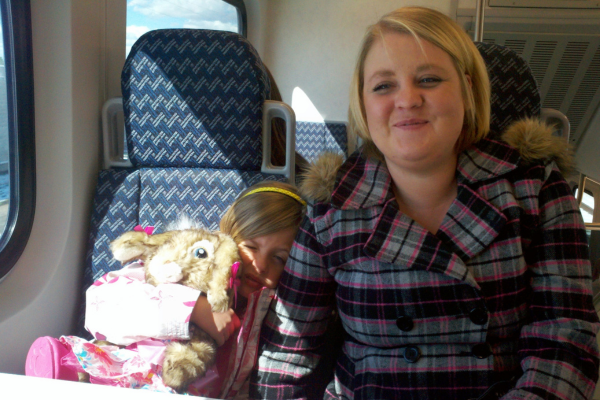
{"x": 277, "y": 190}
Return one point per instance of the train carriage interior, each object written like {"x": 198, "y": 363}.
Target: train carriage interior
{"x": 71, "y": 142}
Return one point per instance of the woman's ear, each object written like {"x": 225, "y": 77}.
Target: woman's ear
{"x": 468, "y": 90}
{"x": 468, "y": 77}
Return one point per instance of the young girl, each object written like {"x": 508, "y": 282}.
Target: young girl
{"x": 263, "y": 222}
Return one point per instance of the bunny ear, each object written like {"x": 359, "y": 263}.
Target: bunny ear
{"x": 129, "y": 246}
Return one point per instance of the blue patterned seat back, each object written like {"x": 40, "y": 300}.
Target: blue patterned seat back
{"x": 514, "y": 91}
{"x": 193, "y": 98}
{"x": 155, "y": 197}
{"x": 192, "y": 102}
{"x": 314, "y": 138}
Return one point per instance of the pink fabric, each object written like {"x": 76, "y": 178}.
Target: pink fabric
{"x": 122, "y": 308}
{"x": 234, "y": 281}
{"x": 148, "y": 229}
{"x": 138, "y": 366}
{"x": 243, "y": 356}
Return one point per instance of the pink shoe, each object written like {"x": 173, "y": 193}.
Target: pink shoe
{"x": 44, "y": 360}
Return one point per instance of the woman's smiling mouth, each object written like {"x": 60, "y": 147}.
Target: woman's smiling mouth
{"x": 412, "y": 123}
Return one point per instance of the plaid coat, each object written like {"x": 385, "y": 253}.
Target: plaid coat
{"x": 503, "y": 289}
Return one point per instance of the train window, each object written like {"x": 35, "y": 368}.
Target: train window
{"x": 587, "y": 205}
{"x": 4, "y": 177}
{"x": 146, "y": 15}
{"x": 17, "y": 152}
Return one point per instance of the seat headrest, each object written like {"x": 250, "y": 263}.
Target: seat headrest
{"x": 193, "y": 98}
{"x": 514, "y": 91}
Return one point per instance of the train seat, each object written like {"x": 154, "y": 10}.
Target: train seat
{"x": 193, "y": 103}
{"x": 514, "y": 91}
{"x": 314, "y": 138}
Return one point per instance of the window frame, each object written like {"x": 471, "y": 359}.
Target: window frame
{"x": 242, "y": 16}
{"x": 18, "y": 61}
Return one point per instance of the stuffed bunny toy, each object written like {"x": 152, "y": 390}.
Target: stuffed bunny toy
{"x": 204, "y": 260}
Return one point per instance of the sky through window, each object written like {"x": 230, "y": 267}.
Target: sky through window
{"x": 146, "y": 15}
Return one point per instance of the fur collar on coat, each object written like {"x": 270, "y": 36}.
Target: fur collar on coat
{"x": 532, "y": 140}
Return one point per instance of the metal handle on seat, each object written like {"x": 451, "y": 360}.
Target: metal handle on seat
{"x": 558, "y": 119}
{"x": 276, "y": 109}
{"x": 113, "y": 142}
{"x": 479, "y": 15}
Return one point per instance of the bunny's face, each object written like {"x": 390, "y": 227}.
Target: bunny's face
{"x": 188, "y": 253}
{"x": 196, "y": 258}
{"x": 192, "y": 257}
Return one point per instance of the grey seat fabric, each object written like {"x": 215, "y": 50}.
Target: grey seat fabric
{"x": 514, "y": 91}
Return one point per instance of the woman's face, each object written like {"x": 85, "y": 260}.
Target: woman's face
{"x": 263, "y": 259}
{"x": 413, "y": 102}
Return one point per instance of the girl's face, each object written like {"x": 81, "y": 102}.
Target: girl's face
{"x": 413, "y": 102}
{"x": 263, "y": 259}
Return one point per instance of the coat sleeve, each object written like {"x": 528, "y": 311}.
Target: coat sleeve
{"x": 293, "y": 332}
{"x": 122, "y": 308}
{"x": 558, "y": 349}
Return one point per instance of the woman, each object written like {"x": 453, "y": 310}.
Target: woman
{"x": 458, "y": 264}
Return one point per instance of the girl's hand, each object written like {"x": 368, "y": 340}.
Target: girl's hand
{"x": 218, "y": 325}
{"x": 225, "y": 324}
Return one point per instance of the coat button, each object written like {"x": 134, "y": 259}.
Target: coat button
{"x": 405, "y": 323}
{"x": 478, "y": 316}
{"x": 412, "y": 354}
{"x": 481, "y": 350}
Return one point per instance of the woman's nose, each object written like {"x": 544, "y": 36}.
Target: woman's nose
{"x": 408, "y": 96}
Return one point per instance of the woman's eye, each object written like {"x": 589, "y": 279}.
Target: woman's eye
{"x": 200, "y": 253}
{"x": 382, "y": 87}
{"x": 430, "y": 80}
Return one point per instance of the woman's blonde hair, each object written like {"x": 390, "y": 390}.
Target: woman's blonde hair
{"x": 263, "y": 212}
{"x": 438, "y": 29}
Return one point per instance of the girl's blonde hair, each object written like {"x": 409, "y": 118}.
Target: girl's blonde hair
{"x": 263, "y": 212}
{"x": 438, "y": 29}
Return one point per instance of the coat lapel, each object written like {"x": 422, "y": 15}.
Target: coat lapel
{"x": 397, "y": 239}
{"x": 487, "y": 159}
{"x": 471, "y": 224}
{"x": 361, "y": 183}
